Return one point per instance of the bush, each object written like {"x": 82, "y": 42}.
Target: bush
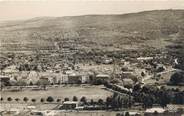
{"x": 84, "y": 100}
{"x": 33, "y": 100}
{"x": 75, "y": 98}
{"x": 42, "y": 100}
{"x": 25, "y": 99}
{"x": 50, "y": 99}
{"x": 58, "y": 100}
{"x": 177, "y": 78}
{"x": 66, "y": 99}
{"x": 9, "y": 99}
{"x": 17, "y": 99}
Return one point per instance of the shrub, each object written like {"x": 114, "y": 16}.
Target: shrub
{"x": 9, "y": 99}
{"x": 17, "y": 99}
{"x": 66, "y": 99}
{"x": 75, "y": 98}
{"x": 84, "y": 100}
{"x": 42, "y": 100}
{"x": 25, "y": 99}
{"x": 33, "y": 100}
{"x": 50, "y": 99}
{"x": 58, "y": 100}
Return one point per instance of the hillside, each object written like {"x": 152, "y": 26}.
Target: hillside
{"x": 149, "y": 29}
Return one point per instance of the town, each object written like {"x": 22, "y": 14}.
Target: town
{"x": 93, "y": 65}
{"x": 143, "y": 84}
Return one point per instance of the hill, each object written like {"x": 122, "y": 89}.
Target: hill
{"x": 149, "y": 29}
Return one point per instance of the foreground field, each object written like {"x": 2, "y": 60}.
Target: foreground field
{"x": 87, "y": 113}
{"x": 90, "y": 92}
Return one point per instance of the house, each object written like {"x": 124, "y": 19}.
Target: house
{"x": 10, "y": 69}
{"x": 132, "y": 113}
{"x": 33, "y": 77}
{"x": 128, "y": 82}
{"x": 160, "y": 67}
{"x": 74, "y": 78}
{"x": 69, "y": 105}
{"x": 174, "y": 107}
{"x": 108, "y": 61}
{"x": 85, "y": 76}
{"x": 154, "y": 111}
{"x": 144, "y": 58}
{"x": 102, "y": 77}
{"x": 4, "y": 80}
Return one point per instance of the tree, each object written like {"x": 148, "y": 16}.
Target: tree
{"x": 17, "y": 99}
{"x": 147, "y": 100}
{"x": 137, "y": 87}
{"x": 21, "y": 83}
{"x": 100, "y": 102}
{"x": 33, "y": 100}
{"x": 1, "y": 99}
{"x": 75, "y": 98}
{"x": 177, "y": 78}
{"x": 58, "y": 100}
{"x": 66, "y": 99}
{"x": 84, "y": 100}
{"x": 25, "y": 99}
{"x": 127, "y": 114}
{"x": 108, "y": 101}
{"x": 50, "y": 99}
{"x": 42, "y": 100}
{"x": 92, "y": 102}
{"x": 9, "y": 99}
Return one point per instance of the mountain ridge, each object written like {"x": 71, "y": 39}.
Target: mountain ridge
{"x": 141, "y": 29}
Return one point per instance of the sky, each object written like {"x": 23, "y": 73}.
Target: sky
{"x": 26, "y": 9}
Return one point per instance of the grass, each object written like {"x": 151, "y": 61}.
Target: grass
{"x": 90, "y": 92}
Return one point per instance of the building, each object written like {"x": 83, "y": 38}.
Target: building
{"x": 74, "y": 78}
{"x": 154, "y": 111}
{"x": 4, "y": 80}
{"x": 69, "y": 105}
{"x": 144, "y": 58}
{"x": 174, "y": 107}
{"x": 102, "y": 77}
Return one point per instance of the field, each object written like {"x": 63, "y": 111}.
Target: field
{"x": 88, "y": 113}
{"x": 90, "y": 92}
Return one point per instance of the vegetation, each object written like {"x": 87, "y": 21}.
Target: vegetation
{"x": 9, "y": 99}
{"x": 25, "y": 99}
{"x": 58, "y": 100}
{"x": 42, "y": 100}
{"x": 83, "y": 100}
{"x": 66, "y": 99}
{"x": 50, "y": 99}
{"x": 1, "y": 99}
{"x": 149, "y": 95}
{"x": 177, "y": 78}
{"x": 17, "y": 99}
{"x": 75, "y": 98}
{"x": 33, "y": 100}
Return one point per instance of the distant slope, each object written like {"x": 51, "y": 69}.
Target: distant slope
{"x": 156, "y": 29}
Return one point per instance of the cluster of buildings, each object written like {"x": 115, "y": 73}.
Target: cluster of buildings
{"x": 11, "y": 76}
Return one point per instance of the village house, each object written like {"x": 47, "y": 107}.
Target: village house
{"x": 69, "y": 105}
{"x": 74, "y": 78}
{"x": 102, "y": 77}
{"x": 4, "y": 80}
{"x": 145, "y": 58}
